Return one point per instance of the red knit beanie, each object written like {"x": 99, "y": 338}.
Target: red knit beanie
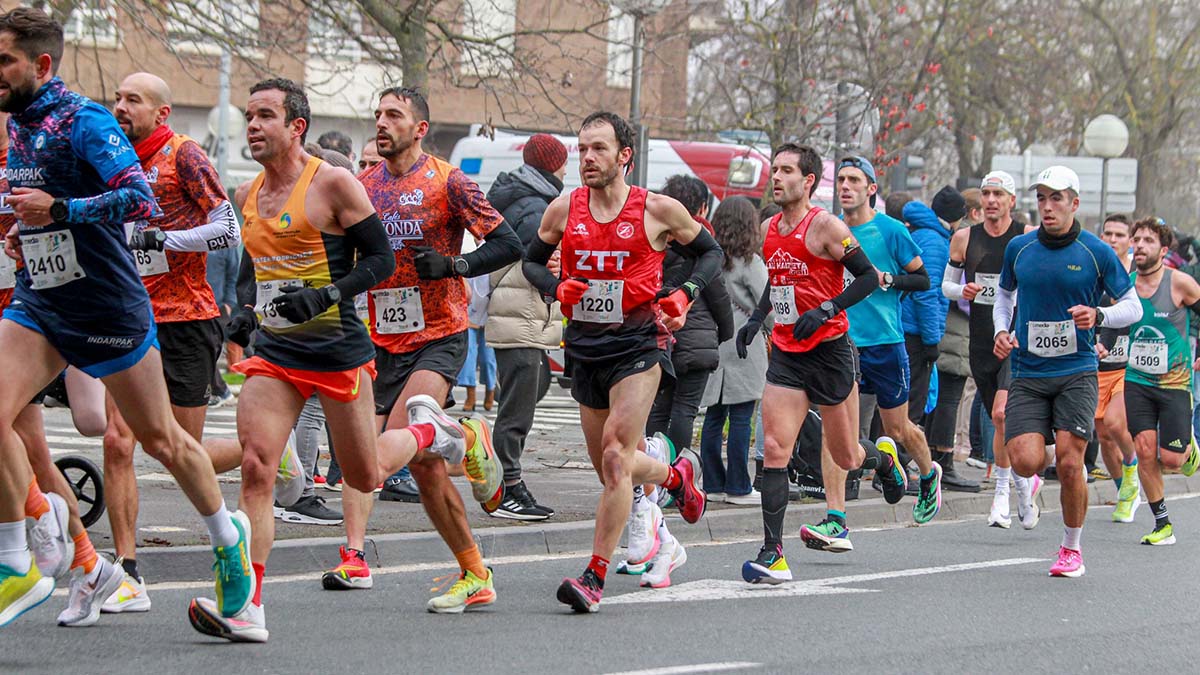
{"x": 545, "y": 152}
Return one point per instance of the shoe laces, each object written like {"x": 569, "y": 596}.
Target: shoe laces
{"x": 440, "y": 583}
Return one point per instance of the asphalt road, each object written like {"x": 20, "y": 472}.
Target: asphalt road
{"x": 946, "y": 598}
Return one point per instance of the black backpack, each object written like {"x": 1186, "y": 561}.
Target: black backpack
{"x": 804, "y": 469}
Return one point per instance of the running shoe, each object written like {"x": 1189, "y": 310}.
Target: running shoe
{"x": 1099, "y": 473}
{"x": 660, "y": 447}
{"x": 929, "y": 501}
{"x": 1000, "y": 514}
{"x": 643, "y": 542}
{"x": 827, "y": 535}
{"x": 580, "y": 595}
{"x": 1130, "y": 484}
{"x": 1126, "y": 509}
{"x": 1030, "y": 513}
{"x": 449, "y": 441}
{"x": 235, "y": 575}
{"x": 1161, "y": 536}
{"x": 623, "y": 567}
{"x": 1069, "y": 564}
{"x": 352, "y": 573}
{"x": 249, "y": 625}
{"x": 468, "y": 592}
{"x": 87, "y": 597}
{"x": 670, "y": 557}
{"x": 20, "y": 593}
{"x": 893, "y": 480}
{"x": 482, "y": 465}
{"x": 131, "y": 596}
{"x": 770, "y": 567}
{"x": 289, "y": 479}
{"x": 49, "y": 539}
{"x": 1192, "y": 461}
{"x": 518, "y": 504}
{"x": 689, "y": 496}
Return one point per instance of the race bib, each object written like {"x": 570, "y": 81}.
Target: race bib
{"x": 1148, "y": 357}
{"x": 1119, "y": 353}
{"x": 151, "y": 263}
{"x": 50, "y": 259}
{"x": 989, "y": 284}
{"x": 268, "y": 291}
{"x": 1052, "y": 338}
{"x": 8, "y": 272}
{"x": 361, "y": 309}
{"x": 601, "y": 303}
{"x": 783, "y": 301}
{"x": 398, "y": 310}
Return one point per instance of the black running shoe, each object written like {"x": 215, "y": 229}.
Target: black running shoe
{"x": 400, "y": 489}
{"x": 311, "y": 510}
{"x": 518, "y": 504}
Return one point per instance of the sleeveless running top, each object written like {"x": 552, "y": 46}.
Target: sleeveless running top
{"x": 288, "y": 251}
{"x": 800, "y": 281}
{"x": 617, "y": 314}
{"x": 984, "y": 260}
{"x": 1159, "y": 353}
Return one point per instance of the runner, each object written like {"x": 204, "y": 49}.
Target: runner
{"x": 876, "y": 331}
{"x": 808, "y": 251}
{"x": 973, "y": 274}
{"x": 1112, "y": 346}
{"x": 1158, "y": 387}
{"x": 75, "y": 182}
{"x": 1061, "y": 272}
{"x": 613, "y": 239}
{"x": 418, "y": 321}
{"x": 296, "y": 287}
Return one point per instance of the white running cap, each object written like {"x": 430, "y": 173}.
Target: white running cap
{"x": 1057, "y": 178}
{"x": 999, "y": 179}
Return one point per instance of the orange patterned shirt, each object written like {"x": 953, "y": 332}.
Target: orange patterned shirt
{"x": 432, "y": 204}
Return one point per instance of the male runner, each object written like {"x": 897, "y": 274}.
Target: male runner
{"x": 614, "y": 238}
{"x": 876, "y": 331}
{"x": 78, "y": 300}
{"x": 1158, "y": 386}
{"x": 370, "y": 156}
{"x": 312, "y": 242}
{"x": 1112, "y": 346}
{"x": 1061, "y": 272}
{"x": 973, "y": 274}
{"x": 418, "y": 321}
{"x": 808, "y": 251}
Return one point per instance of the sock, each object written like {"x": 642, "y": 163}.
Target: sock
{"x": 1003, "y": 474}
{"x": 1130, "y": 462}
{"x": 639, "y": 499}
{"x": 220, "y": 528}
{"x": 470, "y": 560}
{"x": 424, "y": 434}
{"x": 874, "y": 458}
{"x": 1159, "y": 509}
{"x": 130, "y": 567}
{"x": 838, "y": 517}
{"x": 1071, "y": 537}
{"x": 85, "y": 554}
{"x": 36, "y": 504}
{"x": 598, "y": 567}
{"x": 1117, "y": 480}
{"x": 674, "y": 480}
{"x": 774, "y": 505}
{"x": 14, "y": 551}
{"x": 928, "y": 478}
{"x": 260, "y": 570}
{"x": 361, "y": 555}
{"x": 664, "y": 535}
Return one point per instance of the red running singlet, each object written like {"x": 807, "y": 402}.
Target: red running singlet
{"x": 799, "y": 282}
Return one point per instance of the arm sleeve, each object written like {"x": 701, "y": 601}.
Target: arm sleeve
{"x": 1002, "y": 313}
{"x": 375, "y": 261}
{"x": 537, "y": 254}
{"x": 716, "y": 297}
{"x": 916, "y": 280}
{"x": 952, "y": 286}
{"x": 764, "y": 307}
{"x": 708, "y": 259}
{"x": 221, "y": 231}
{"x": 202, "y": 185}
{"x": 1126, "y": 311}
{"x": 247, "y": 290}
{"x": 865, "y": 280}
{"x": 501, "y": 247}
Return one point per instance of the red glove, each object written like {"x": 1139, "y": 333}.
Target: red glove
{"x": 570, "y": 291}
{"x": 676, "y": 304}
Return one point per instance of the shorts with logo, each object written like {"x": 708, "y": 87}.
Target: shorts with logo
{"x": 444, "y": 356}
{"x": 121, "y": 345}
{"x": 1111, "y": 383}
{"x": 1167, "y": 411}
{"x": 1044, "y": 405}
{"x": 593, "y": 380}
{"x": 827, "y": 372}
{"x": 190, "y": 350}
{"x": 884, "y": 374}
{"x": 991, "y": 376}
{"x": 340, "y": 385}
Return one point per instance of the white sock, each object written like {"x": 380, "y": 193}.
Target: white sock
{"x": 655, "y": 449}
{"x": 94, "y": 575}
{"x": 664, "y": 535}
{"x": 220, "y": 528}
{"x": 1002, "y": 477}
{"x": 640, "y": 503}
{"x": 14, "y": 551}
{"x": 1071, "y": 537}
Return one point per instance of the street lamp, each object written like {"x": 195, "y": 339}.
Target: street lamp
{"x": 1106, "y": 137}
{"x": 639, "y": 10}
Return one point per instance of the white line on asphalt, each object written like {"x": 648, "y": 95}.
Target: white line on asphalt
{"x": 696, "y": 668}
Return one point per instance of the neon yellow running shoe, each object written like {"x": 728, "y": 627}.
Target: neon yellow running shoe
{"x": 20, "y": 593}
{"x": 482, "y": 466}
{"x": 1192, "y": 462}
{"x": 1161, "y": 536}
{"x": 468, "y": 592}
{"x": 1129, "y": 482}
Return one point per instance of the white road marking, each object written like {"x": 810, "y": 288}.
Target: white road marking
{"x": 718, "y": 667}
{"x": 158, "y": 529}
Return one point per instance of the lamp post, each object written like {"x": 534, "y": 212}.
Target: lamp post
{"x": 640, "y": 10}
{"x": 1106, "y": 137}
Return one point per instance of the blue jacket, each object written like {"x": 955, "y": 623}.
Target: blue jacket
{"x": 924, "y": 312}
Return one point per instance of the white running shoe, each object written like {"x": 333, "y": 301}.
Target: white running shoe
{"x": 449, "y": 440}
{"x": 1029, "y": 512}
{"x": 87, "y": 597}
{"x": 999, "y": 517}
{"x": 131, "y": 596}
{"x": 752, "y": 499}
{"x": 49, "y": 540}
{"x": 289, "y": 479}
{"x": 249, "y": 625}
{"x": 644, "y": 541}
{"x": 657, "y": 449}
{"x": 670, "y": 557}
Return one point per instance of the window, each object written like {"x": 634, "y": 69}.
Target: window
{"x": 493, "y": 21}
{"x": 620, "y": 48}
{"x": 336, "y": 32}
{"x": 199, "y": 25}
{"x": 93, "y": 22}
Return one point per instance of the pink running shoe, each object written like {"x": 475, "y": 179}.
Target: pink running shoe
{"x": 580, "y": 595}
{"x": 1070, "y": 564}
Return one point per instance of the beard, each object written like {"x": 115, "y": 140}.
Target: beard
{"x": 1148, "y": 264}
{"x": 602, "y": 179}
{"x": 395, "y": 145}
{"x": 19, "y": 97}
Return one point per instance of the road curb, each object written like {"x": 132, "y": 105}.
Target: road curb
{"x": 314, "y": 555}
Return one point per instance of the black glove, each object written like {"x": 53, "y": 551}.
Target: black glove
{"x": 811, "y": 321}
{"x": 149, "y": 239}
{"x": 241, "y": 326}
{"x": 746, "y": 335}
{"x": 432, "y": 265}
{"x": 930, "y": 352}
{"x": 300, "y": 304}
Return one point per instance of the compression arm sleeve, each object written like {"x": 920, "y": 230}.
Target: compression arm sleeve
{"x": 709, "y": 259}
{"x": 221, "y": 231}
{"x": 1002, "y": 313}
{"x": 916, "y": 280}
{"x": 536, "y": 256}
{"x": 952, "y": 286}
{"x": 129, "y": 198}
{"x": 764, "y": 305}
{"x": 247, "y": 289}
{"x": 375, "y": 262}
{"x": 865, "y": 279}
{"x": 1126, "y": 312}
{"x": 502, "y": 248}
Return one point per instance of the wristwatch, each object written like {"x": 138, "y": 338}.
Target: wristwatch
{"x": 60, "y": 211}
{"x": 1099, "y": 317}
{"x": 888, "y": 279}
{"x": 829, "y": 309}
{"x": 461, "y": 268}
{"x": 334, "y": 295}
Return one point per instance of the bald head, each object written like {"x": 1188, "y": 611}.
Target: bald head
{"x": 149, "y": 86}
{"x": 143, "y": 104}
